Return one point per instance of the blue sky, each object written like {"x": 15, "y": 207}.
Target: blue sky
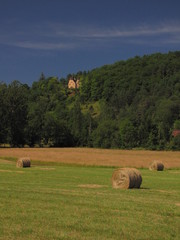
{"x": 58, "y": 37}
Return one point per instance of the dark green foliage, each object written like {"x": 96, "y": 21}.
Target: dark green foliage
{"x": 142, "y": 92}
{"x": 138, "y": 99}
{"x": 47, "y": 115}
{"x": 16, "y": 102}
{"x": 79, "y": 125}
{"x": 3, "y": 113}
{"x": 106, "y": 135}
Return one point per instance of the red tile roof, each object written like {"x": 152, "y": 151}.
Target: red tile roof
{"x": 176, "y": 132}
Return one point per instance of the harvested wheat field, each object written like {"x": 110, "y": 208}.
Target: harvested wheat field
{"x": 98, "y": 157}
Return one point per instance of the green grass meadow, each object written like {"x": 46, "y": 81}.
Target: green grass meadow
{"x": 78, "y": 202}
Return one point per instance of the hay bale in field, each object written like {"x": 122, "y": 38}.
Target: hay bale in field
{"x": 157, "y": 166}
{"x": 125, "y": 178}
{"x": 23, "y": 162}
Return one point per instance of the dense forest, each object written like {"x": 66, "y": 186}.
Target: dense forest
{"x": 129, "y": 104}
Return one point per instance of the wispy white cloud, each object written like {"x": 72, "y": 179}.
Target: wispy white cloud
{"x": 116, "y": 32}
{"x": 55, "y": 36}
{"x": 44, "y": 45}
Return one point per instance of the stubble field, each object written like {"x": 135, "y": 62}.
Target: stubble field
{"x": 97, "y": 157}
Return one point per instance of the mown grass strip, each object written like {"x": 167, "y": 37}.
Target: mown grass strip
{"x": 64, "y": 203}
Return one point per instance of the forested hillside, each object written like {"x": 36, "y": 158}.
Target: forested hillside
{"x": 129, "y": 104}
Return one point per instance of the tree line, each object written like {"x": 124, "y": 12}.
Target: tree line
{"x": 129, "y": 104}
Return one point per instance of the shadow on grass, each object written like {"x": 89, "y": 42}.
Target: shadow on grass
{"x": 144, "y": 188}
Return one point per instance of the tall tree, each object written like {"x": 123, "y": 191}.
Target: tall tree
{"x": 3, "y": 113}
{"x": 16, "y": 102}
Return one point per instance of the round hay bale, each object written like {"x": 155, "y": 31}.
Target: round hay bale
{"x": 125, "y": 178}
{"x": 23, "y": 162}
{"x": 157, "y": 166}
